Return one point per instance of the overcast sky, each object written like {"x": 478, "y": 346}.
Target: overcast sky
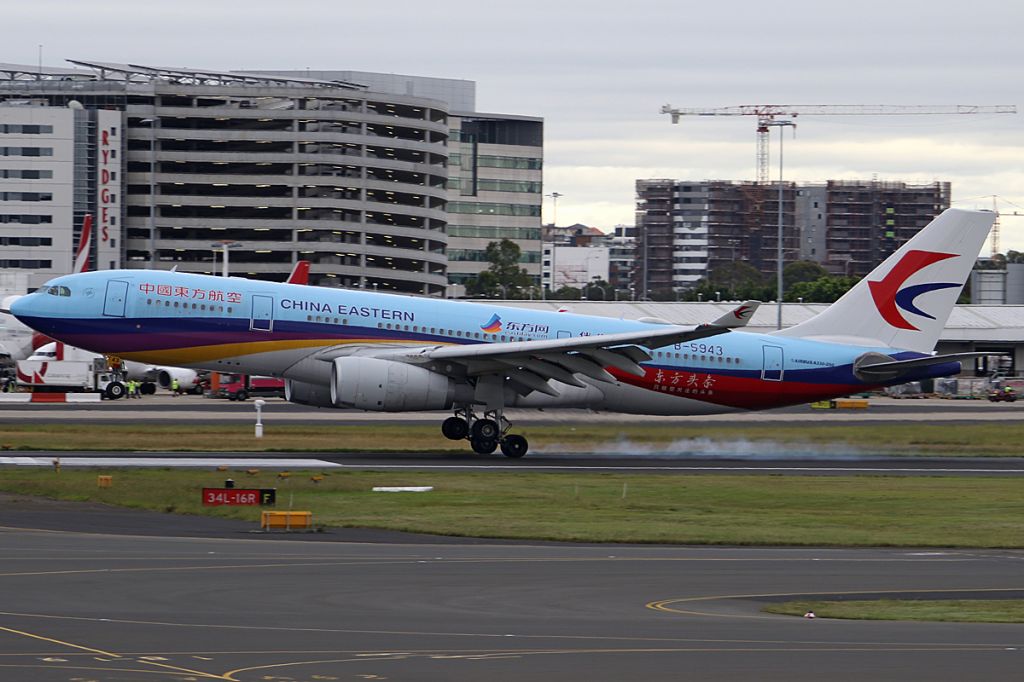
{"x": 599, "y": 71}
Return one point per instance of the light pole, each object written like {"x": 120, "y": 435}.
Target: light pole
{"x": 554, "y": 207}
{"x": 778, "y": 249}
{"x": 259, "y": 417}
{"x": 225, "y": 245}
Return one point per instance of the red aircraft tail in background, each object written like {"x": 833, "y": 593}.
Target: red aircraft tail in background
{"x": 84, "y": 246}
{"x": 300, "y": 273}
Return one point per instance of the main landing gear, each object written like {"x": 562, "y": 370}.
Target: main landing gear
{"x": 485, "y": 434}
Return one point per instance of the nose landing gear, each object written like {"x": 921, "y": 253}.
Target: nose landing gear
{"x": 486, "y": 433}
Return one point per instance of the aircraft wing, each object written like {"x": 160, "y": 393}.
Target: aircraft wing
{"x": 531, "y": 364}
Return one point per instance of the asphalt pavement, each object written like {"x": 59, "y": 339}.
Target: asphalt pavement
{"x": 89, "y": 592}
{"x": 80, "y": 604}
{"x": 196, "y": 409}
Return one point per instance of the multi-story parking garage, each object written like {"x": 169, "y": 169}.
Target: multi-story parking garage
{"x": 278, "y": 168}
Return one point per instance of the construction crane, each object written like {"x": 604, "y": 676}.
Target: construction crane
{"x": 767, "y": 113}
{"x": 999, "y": 215}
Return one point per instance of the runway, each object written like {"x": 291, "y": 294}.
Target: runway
{"x": 79, "y": 606}
{"x": 199, "y": 410}
{"x": 686, "y": 456}
{"x": 798, "y": 464}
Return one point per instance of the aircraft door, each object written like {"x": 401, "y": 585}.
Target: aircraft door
{"x": 117, "y": 295}
{"x": 262, "y": 318}
{"x": 772, "y": 368}
{"x": 564, "y": 335}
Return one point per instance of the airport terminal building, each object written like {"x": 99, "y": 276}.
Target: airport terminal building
{"x": 279, "y": 168}
{"x": 382, "y": 181}
{"x": 495, "y": 170}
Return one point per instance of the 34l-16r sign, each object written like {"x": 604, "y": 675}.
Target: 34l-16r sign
{"x": 213, "y": 497}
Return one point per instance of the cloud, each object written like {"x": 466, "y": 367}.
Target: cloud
{"x": 598, "y": 72}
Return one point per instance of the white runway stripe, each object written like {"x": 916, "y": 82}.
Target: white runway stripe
{"x": 194, "y": 462}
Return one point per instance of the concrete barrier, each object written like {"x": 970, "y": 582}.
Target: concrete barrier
{"x": 50, "y": 397}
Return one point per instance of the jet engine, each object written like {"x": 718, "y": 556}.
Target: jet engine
{"x": 186, "y": 377}
{"x": 388, "y": 386}
{"x": 303, "y": 393}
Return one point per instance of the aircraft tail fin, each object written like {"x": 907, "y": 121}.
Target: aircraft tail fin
{"x": 300, "y": 273}
{"x": 905, "y": 301}
{"x": 84, "y": 245}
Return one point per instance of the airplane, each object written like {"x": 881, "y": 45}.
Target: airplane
{"x": 394, "y": 353}
{"x": 299, "y": 273}
{"x": 17, "y": 341}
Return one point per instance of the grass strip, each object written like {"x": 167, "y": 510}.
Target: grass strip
{"x": 642, "y": 508}
{"x": 952, "y": 610}
{"x": 756, "y": 439}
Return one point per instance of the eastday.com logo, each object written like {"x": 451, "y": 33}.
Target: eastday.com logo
{"x": 493, "y": 325}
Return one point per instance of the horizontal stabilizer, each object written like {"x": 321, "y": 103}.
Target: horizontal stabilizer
{"x": 879, "y": 367}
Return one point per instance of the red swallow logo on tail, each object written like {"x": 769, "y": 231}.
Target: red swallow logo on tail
{"x": 890, "y": 298}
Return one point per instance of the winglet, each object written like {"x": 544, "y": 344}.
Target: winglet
{"x": 738, "y": 316}
{"x": 300, "y": 273}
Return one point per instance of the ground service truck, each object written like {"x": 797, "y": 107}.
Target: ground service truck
{"x": 71, "y": 376}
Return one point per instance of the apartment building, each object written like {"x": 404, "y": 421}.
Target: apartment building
{"x": 685, "y": 229}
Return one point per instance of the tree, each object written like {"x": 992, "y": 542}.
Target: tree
{"x": 566, "y": 294}
{"x": 801, "y": 271}
{"x": 503, "y": 277}
{"x": 599, "y": 290}
{"x": 735, "y": 276}
{"x": 997, "y": 262}
{"x": 825, "y": 289}
{"x": 731, "y": 281}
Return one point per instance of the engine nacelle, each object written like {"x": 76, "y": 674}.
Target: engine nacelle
{"x": 304, "y": 393}
{"x": 388, "y": 386}
{"x": 186, "y": 377}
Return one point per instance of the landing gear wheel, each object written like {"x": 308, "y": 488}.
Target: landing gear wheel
{"x": 454, "y": 428}
{"x": 485, "y": 429}
{"x": 148, "y": 388}
{"x": 483, "y": 446}
{"x": 514, "y": 446}
{"x": 115, "y": 390}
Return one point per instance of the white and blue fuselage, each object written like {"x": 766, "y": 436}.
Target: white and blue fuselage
{"x": 248, "y": 326}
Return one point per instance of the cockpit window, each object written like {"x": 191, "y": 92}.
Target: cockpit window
{"x": 64, "y": 291}
{"x": 58, "y": 291}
